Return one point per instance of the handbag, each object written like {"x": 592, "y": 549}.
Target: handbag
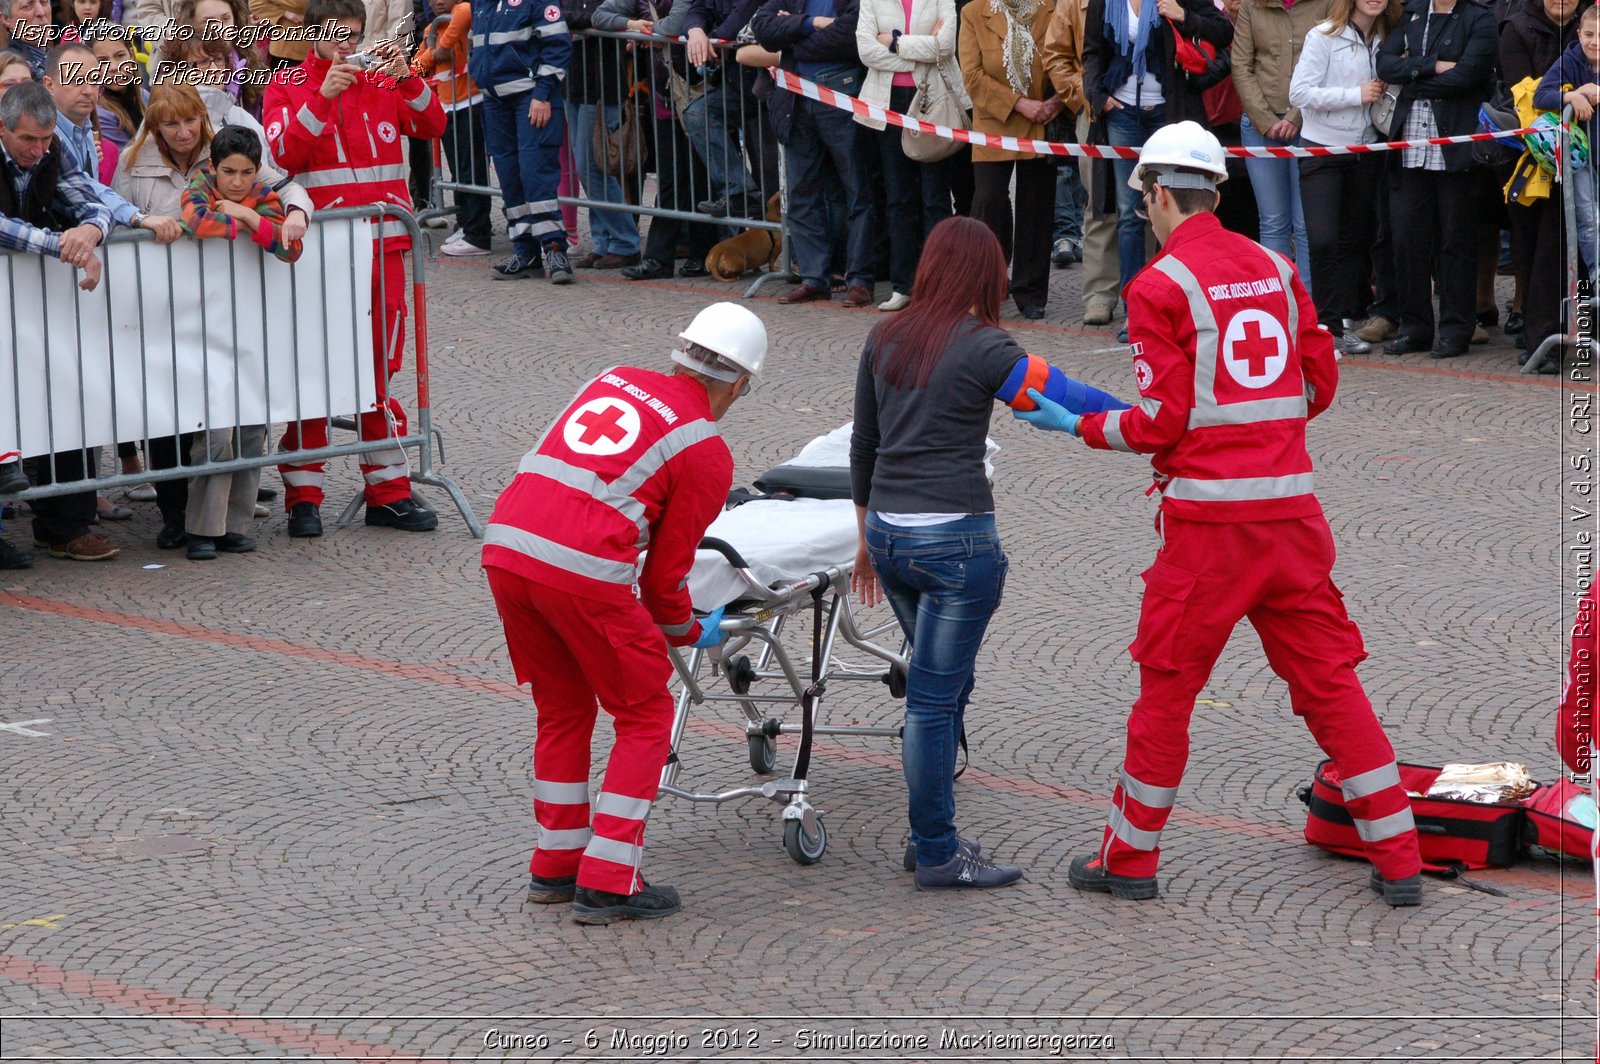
{"x": 678, "y": 87}
{"x": 616, "y": 152}
{"x": 935, "y": 102}
{"x": 1381, "y": 112}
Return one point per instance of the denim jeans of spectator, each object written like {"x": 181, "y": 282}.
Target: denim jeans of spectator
{"x": 1582, "y": 184}
{"x": 468, "y": 157}
{"x": 1070, "y": 201}
{"x": 917, "y": 196}
{"x": 1277, "y": 186}
{"x": 944, "y": 582}
{"x": 613, "y": 232}
{"x": 713, "y": 123}
{"x": 1130, "y": 127}
{"x": 826, "y": 184}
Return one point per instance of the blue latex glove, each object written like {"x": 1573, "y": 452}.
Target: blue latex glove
{"x": 711, "y": 633}
{"x": 1049, "y": 415}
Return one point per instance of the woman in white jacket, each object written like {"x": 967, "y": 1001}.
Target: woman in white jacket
{"x": 1334, "y": 83}
{"x": 904, "y": 43}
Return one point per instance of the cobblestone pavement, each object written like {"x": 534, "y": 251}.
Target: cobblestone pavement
{"x": 286, "y": 795}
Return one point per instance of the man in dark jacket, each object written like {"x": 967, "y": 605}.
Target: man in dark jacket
{"x": 823, "y": 160}
{"x": 1441, "y": 56}
{"x": 1531, "y": 42}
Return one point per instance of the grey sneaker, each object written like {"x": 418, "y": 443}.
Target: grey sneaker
{"x": 557, "y": 266}
{"x": 966, "y": 870}
{"x": 603, "y": 907}
{"x": 1351, "y": 344}
{"x": 968, "y": 845}
{"x": 1396, "y": 892}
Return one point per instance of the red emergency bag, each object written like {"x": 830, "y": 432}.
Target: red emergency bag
{"x": 1554, "y": 822}
{"x": 1455, "y": 836}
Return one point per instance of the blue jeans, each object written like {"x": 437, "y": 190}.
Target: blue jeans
{"x": 613, "y": 232}
{"x": 1070, "y": 200}
{"x": 1583, "y": 200}
{"x": 944, "y": 583}
{"x": 1130, "y": 127}
{"x": 713, "y": 123}
{"x": 1277, "y": 187}
{"x": 825, "y": 178}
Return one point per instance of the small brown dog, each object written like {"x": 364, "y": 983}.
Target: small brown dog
{"x": 730, "y": 259}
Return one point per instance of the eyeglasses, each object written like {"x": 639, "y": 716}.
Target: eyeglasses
{"x": 1142, "y": 211}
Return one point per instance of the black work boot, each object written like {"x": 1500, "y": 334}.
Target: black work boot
{"x": 591, "y": 906}
{"x": 12, "y": 478}
{"x": 1087, "y": 873}
{"x": 305, "y": 521}
{"x": 403, "y": 514}
{"x": 551, "y": 890}
{"x": 1397, "y": 892}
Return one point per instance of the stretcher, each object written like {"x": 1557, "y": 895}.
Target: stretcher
{"x": 781, "y": 565}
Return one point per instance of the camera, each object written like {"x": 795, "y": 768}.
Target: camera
{"x": 364, "y": 60}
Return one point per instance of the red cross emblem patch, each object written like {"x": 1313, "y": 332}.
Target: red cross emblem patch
{"x": 602, "y": 427}
{"x": 1255, "y": 349}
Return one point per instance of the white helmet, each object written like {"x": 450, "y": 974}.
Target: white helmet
{"x": 734, "y": 333}
{"x": 1182, "y": 144}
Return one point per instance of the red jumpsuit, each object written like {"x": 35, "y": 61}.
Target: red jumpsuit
{"x": 634, "y": 461}
{"x": 350, "y": 151}
{"x": 1230, "y": 365}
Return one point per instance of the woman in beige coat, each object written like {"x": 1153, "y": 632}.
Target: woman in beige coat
{"x": 1002, "y": 59}
{"x": 905, "y": 43}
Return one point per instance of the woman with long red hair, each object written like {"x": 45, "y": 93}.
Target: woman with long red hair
{"x": 925, "y": 389}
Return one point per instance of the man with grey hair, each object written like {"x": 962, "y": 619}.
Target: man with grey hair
{"x": 47, "y": 210}
{"x": 26, "y": 24}
{"x": 635, "y": 461}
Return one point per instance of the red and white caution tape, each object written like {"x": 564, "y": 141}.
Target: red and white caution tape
{"x": 811, "y": 90}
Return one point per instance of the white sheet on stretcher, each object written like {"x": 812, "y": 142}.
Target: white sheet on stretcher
{"x": 780, "y": 541}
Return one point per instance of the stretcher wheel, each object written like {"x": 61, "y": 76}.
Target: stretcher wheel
{"x": 896, "y": 679}
{"x": 763, "y": 754}
{"x": 741, "y": 674}
{"x": 804, "y": 848}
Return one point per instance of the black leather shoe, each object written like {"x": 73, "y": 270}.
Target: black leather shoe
{"x": 1032, "y": 313}
{"x": 12, "y": 478}
{"x": 1405, "y": 345}
{"x": 172, "y": 536}
{"x": 266, "y": 494}
{"x": 551, "y": 890}
{"x": 202, "y": 549}
{"x": 305, "y": 521}
{"x": 693, "y": 268}
{"x": 602, "y": 907}
{"x": 1087, "y": 873}
{"x": 235, "y": 543}
{"x": 12, "y": 558}
{"x": 647, "y": 270}
{"x": 1444, "y": 349}
{"x": 515, "y": 268}
{"x": 403, "y": 514}
{"x": 1396, "y": 892}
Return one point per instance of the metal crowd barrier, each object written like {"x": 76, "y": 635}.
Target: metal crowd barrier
{"x": 726, "y": 143}
{"x": 1579, "y": 303}
{"x": 156, "y": 357}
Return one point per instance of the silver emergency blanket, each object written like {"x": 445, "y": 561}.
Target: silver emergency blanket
{"x": 1489, "y": 783}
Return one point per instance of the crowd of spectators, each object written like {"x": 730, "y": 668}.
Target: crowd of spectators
{"x": 116, "y": 104}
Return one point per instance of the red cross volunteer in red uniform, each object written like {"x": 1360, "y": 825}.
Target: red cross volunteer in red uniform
{"x": 1230, "y": 364}
{"x": 634, "y": 462}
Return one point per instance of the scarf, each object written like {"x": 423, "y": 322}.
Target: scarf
{"x": 1017, "y": 52}
{"x": 1118, "y": 19}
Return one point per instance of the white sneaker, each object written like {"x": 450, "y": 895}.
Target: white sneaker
{"x": 461, "y": 249}
{"x": 896, "y": 301}
{"x": 459, "y": 234}
{"x": 438, "y": 221}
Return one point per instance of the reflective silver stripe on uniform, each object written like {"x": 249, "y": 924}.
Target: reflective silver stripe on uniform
{"x": 422, "y": 100}
{"x": 661, "y": 452}
{"x": 569, "y": 839}
{"x": 518, "y": 211}
{"x": 1244, "y": 489}
{"x": 1148, "y": 794}
{"x": 1386, "y": 827}
{"x": 346, "y": 175}
{"x": 301, "y": 478}
{"x": 544, "y": 206}
{"x": 508, "y": 36}
{"x": 511, "y": 88}
{"x": 1113, "y": 431}
{"x": 387, "y": 472}
{"x": 1372, "y": 782}
{"x": 392, "y": 228}
{"x": 1249, "y": 412}
{"x": 478, "y": 39}
{"x": 621, "y": 853}
{"x": 586, "y": 481}
{"x": 1206, "y": 352}
{"x": 560, "y": 793}
{"x": 1138, "y": 838}
{"x": 678, "y": 629}
{"x": 559, "y": 555}
{"x": 547, "y": 71}
{"x": 538, "y": 229}
{"x": 1151, "y": 406}
{"x": 550, "y": 29}
{"x": 309, "y": 120}
{"x": 620, "y": 805}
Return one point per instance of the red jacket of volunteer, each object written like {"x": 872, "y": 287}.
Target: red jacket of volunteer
{"x": 634, "y": 462}
{"x": 350, "y": 151}
{"x": 1229, "y": 372}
